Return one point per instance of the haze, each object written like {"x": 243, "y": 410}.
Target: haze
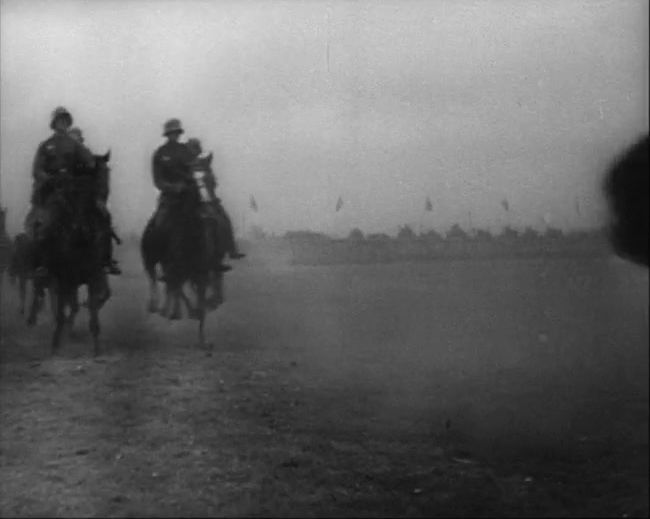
{"x": 379, "y": 103}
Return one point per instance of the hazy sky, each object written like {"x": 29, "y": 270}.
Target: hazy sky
{"x": 382, "y": 103}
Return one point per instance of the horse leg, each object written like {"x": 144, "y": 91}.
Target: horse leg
{"x": 153, "y": 293}
{"x": 103, "y": 290}
{"x": 192, "y": 311}
{"x": 53, "y": 303}
{"x": 176, "y": 313}
{"x": 216, "y": 298}
{"x": 35, "y": 304}
{"x": 60, "y": 321}
{"x": 200, "y": 312}
{"x": 150, "y": 258}
{"x": 22, "y": 289}
{"x": 166, "y": 306}
{"x": 96, "y": 299}
{"x": 74, "y": 309}
{"x": 94, "y": 327}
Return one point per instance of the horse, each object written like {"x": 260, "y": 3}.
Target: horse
{"x": 187, "y": 254}
{"x": 20, "y": 267}
{"x": 75, "y": 248}
{"x": 21, "y": 270}
{"x": 626, "y": 189}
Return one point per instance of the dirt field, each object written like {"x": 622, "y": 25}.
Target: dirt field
{"x": 461, "y": 388}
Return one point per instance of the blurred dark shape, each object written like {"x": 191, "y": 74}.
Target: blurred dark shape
{"x": 626, "y": 189}
{"x": 508, "y": 235}
{"x": 5, "y": 243}
{"x": 405, "y": 233}
{"x": 356, "y": 235}
{"x": 553, "y": 233}
{"x": 456, "y": 232}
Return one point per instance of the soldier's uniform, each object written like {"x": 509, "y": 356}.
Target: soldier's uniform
{"x": 58, "y": 156}
{"x": 171, "y": 167}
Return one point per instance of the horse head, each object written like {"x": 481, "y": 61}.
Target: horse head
{"x": 103, "y": 159}
{"x": 203, "y": 163}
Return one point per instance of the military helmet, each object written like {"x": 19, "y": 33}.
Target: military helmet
{"x": 171, "y": 126}
{"x": 60, "y": 112}
{"x": 194, "y": 145}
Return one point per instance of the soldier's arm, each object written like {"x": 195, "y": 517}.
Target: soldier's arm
{"x": 158, "y": 180}
{"x": 38, "y": 169}
{"x": 156, "y": 171}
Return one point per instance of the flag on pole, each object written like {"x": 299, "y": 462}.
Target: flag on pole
{"x": 253, "y": 203}
{"x": 505, "y": 204}
{"x": 339, "y": 204}
{"x": 427, "y": 205}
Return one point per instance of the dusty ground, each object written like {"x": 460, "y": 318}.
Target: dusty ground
{"x": 470, "y": 388}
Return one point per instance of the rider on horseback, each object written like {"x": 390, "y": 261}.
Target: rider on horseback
{"x": 101, "y": 196}
{"x": 56, "y": 158}
{"x": 172, "y": 173}
{"x": 214, "y": 209}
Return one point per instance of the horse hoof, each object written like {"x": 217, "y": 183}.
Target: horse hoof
{"x": 213, "y": 303}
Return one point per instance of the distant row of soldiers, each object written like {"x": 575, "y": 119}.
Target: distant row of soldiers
{"x": 64, "y": 153}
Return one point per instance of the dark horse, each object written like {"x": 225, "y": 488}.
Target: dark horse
{"x": 21, "y": 269}
{"x": 187, "y": 252}
{"x": 20, "y": 265}
{"x": 75, "y": 247}
{"x": 626, "y": 188}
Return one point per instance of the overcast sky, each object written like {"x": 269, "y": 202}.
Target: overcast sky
{"x": 381, "y": 103}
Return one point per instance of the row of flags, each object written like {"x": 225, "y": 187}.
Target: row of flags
{"x": 428, "y": 206}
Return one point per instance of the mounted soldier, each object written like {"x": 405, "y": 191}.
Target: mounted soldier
{"x": 172, "y": 165}
{"x": 213, "y": 208}
{"x": 171, "y": 172}
{"x": 102, "y": 191}
{"x": 56, "y": 159}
